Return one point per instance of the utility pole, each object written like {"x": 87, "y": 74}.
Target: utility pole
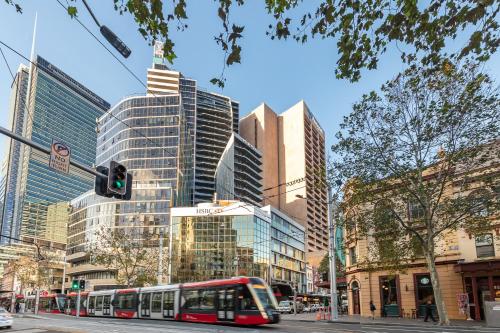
{"x": 78, "y": 303}
{"x": 160, "y": 259}
{"x": 64, "y": 275}
{"x": 334, "y": 315}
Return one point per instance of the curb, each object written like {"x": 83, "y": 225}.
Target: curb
{"x": 378, "y": 323}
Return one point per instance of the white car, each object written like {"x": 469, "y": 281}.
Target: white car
{"x": 6, "y": 319}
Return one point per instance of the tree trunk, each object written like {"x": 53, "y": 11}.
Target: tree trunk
{"x": 438, "y": 297}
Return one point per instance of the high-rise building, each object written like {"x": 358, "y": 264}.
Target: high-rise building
{"x": 238, "y": 175}
{"x": 293, "y": 159}
{"x": 216, "y": 120}
{"x": 211, "y": 117}
{"x": 158, "y": 138}
{"x": 10, "y": 192}
{"x": 57, "y": 107}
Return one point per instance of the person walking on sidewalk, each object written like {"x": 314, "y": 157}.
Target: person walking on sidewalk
{"x": 372, "y": 309}
{"x": 428, "y": 311}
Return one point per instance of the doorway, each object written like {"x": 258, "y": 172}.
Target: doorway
{"x": 355, "y": 298}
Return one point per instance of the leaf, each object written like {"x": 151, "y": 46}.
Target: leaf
{"x": 72, "y": 11}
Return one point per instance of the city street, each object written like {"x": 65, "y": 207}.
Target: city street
{"x": 58, "y": 323}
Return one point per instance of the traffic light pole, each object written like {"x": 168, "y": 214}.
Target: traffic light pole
{"x": 334, "y": 315}
{"x": 46, "y": 150}
{"x": 78, "y": 304}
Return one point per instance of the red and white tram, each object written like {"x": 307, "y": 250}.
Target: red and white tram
{"x": 71, "y": 304}
{"x": 52, "y": 303}
{"x": 242, "y": 301}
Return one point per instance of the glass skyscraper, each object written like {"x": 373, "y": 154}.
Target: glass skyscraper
{"x": 49, "y": 105}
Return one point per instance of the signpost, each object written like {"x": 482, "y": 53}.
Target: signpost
{"x": 60, "y": 155}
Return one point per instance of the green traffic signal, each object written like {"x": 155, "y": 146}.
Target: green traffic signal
{"x": 118, "y": 184}
{"x": 75, "y": 284}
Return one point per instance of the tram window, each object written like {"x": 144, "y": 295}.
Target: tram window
{"x": 106, "y": 302}
{"x": 246, "y": 299}
{"x": 72, "y": 303}
{"x": 156, "y": 302}
{"x": 91, "y": 303}
{"x": 127, "y": 301}
{"x": 98, "y": 305}
{"x": 168, "y": 300}
{"x": 207, "y": 299}
{"x": 192, "y": 299}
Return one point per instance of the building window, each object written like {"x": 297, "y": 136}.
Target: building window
{"x": 352, "y": 255}
{"x": 416, "y": 211}
{"x": 484, "y": 246}
{"x": 389, "y": 296}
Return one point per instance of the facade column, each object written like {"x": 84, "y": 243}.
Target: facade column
{"x": 476, "y": 298}
{"x": 490, "y": 287}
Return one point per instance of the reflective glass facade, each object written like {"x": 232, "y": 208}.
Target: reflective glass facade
{"x": 288, "y": 250}
{"x": 217, "y": 246}
{"x": 10, "y": 190}
{"x": 58, "y": 108}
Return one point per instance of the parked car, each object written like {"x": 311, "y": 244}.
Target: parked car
{"x": 314, "y": 307}
{"x": 307, "y": 309}
{"x": 6, "y": 319}
{"x": 287, "y": 307}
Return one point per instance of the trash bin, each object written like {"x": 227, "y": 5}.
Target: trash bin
{"x": 492, "y": 314}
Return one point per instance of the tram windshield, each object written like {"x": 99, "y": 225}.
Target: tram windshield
{"x": 265, "y": 295}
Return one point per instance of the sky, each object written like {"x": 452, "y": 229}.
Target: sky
{"x": 279, "y": 73}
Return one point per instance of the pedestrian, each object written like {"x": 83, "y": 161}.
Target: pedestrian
{"x": 18, "y": 306}
{"x": 372, "y": 309}
{"x": 428, "y": 311}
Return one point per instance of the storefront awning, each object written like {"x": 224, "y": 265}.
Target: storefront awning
{"x": 478, "y": 266}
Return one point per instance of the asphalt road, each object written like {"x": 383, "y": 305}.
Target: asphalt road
{"x": 66, "y": 324}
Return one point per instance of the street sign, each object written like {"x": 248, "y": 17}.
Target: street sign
{"x": 60, "y": 155}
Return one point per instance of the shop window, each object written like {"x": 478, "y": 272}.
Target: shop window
{"x": 389, "y": 296}
{"x": 484, "y": 246}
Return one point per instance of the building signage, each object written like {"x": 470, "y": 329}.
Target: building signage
{"x": 209, "y": 210}
{"x": 60, "y": 155}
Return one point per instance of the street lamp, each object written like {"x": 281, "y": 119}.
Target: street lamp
{"x": 110, "y": 36}
{"x": 334, "y": 314}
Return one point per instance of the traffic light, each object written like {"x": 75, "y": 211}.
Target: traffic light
{"x": 101, "y": 182}
{"x": 117, "y": 178}
{"x": 75, "y": 284}
{"x": 82, "y": 284}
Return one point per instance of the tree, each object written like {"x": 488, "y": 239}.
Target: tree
{"x": 34, "y": 271}
{"x": 131, "y": 252}
{"x": 413, "y": 158}
{"x": 324, "y": 267}
{"x": 363, "y": 29}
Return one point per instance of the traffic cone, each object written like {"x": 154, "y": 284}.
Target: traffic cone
{"x": 318, "y": 315}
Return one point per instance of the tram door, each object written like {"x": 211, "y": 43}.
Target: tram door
{"x": 146, "y": 305}
{"x": 168, "y": 304}
{"x": 225, "y": 304}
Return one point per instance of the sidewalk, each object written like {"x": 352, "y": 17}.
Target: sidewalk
{"x": 356, "y": 319}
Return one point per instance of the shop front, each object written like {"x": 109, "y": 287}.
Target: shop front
{"x": 481, "y": 283}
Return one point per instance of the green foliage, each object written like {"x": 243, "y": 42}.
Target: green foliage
{"x": 131, "y": 252}
{"x": 363, "y": 30}
{"x": 418, "y": 161}
{"x": 324, "y": 267}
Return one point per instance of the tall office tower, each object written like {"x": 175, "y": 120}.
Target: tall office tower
{"x": 60, "y": 108}
{"x": 216, "y": 120}
{"x": 17, "y": 106}
{"x": 293, "y": 156}
{"x": 211, "y": 118}
{"x": 238, "y": 175}
{"x": 150, "y": 136}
